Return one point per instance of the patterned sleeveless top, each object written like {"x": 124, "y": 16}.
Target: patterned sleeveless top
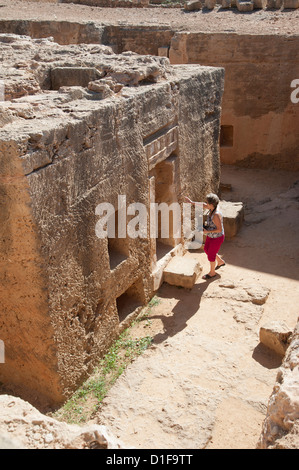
{"x": 212, "y": 226}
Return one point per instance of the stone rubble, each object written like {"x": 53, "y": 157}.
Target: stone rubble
{"x": 33, "y": 69}
{"x": 281, "y": 426}
{"x": 276, "y": 335}
{"x": 241, "y": 5}
{"x": 23, "y": 427}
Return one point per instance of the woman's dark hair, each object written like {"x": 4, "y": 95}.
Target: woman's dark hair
{"x": 213, "y": 199}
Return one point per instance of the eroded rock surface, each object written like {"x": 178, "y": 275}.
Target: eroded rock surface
{"x": 276, "y": 336}
{"x": 23, "y": 427}
{"x": 84, "y": 126}
{"x": 31, "y": 66}
{"x": 281, "y": 426}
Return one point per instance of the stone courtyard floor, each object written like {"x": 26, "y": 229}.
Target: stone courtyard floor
{"x": 206, "y": 380}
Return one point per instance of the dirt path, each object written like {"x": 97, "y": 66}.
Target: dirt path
{"x": 206, "y": 381}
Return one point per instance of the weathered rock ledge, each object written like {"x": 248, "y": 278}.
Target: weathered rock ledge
{"x": 281, "y": 426}
{"x": 33, "y": 66}
{"x": 24, "y": 427}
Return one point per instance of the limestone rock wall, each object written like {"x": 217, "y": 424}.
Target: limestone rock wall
{"x": 280, "y": 428}
{"x": 142, "y": 39}
{"x": 259, "y": 120}
{"x": 108, "y": 129}
{"x": 63, "y": 32}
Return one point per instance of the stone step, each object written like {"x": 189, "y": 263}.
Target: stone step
{"x": 182, "y": 271}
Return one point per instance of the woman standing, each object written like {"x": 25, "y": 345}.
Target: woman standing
{"x": 215, "y": 233}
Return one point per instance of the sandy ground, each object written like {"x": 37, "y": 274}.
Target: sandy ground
{"x": 217, "y": 20}
{"x": 206, "y": 380}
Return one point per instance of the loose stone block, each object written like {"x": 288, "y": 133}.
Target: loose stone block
{"x": 233, "y": 216}
{"x": 70, "y": 76}
{"x": 244, "y": 5}
{"x": 276, "y": 335}
{"x": 193, "y": 5}
{"x": 182, "y": 271}
{"x": 226, "y": 3}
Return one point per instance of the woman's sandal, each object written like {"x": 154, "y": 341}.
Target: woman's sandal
{"x": 220, "y": 266}
{"x": 207, "y": 276}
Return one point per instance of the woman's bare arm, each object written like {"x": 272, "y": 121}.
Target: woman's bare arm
{"x": 193, "y": 202}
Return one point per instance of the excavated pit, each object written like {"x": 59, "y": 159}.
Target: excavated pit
{"x": 257, "y": 130}
{"x": 259, "y": 119}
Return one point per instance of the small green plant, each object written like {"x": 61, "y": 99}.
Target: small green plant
{"x": 145, "y": 313}
{"x": 87, "y": 399}
{"x": 154, "y": 301}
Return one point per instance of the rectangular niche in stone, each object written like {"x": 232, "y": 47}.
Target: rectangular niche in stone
{"x": 130, "y": 302}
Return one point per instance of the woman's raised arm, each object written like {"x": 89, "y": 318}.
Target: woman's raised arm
{"x": 193, "y": 202}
